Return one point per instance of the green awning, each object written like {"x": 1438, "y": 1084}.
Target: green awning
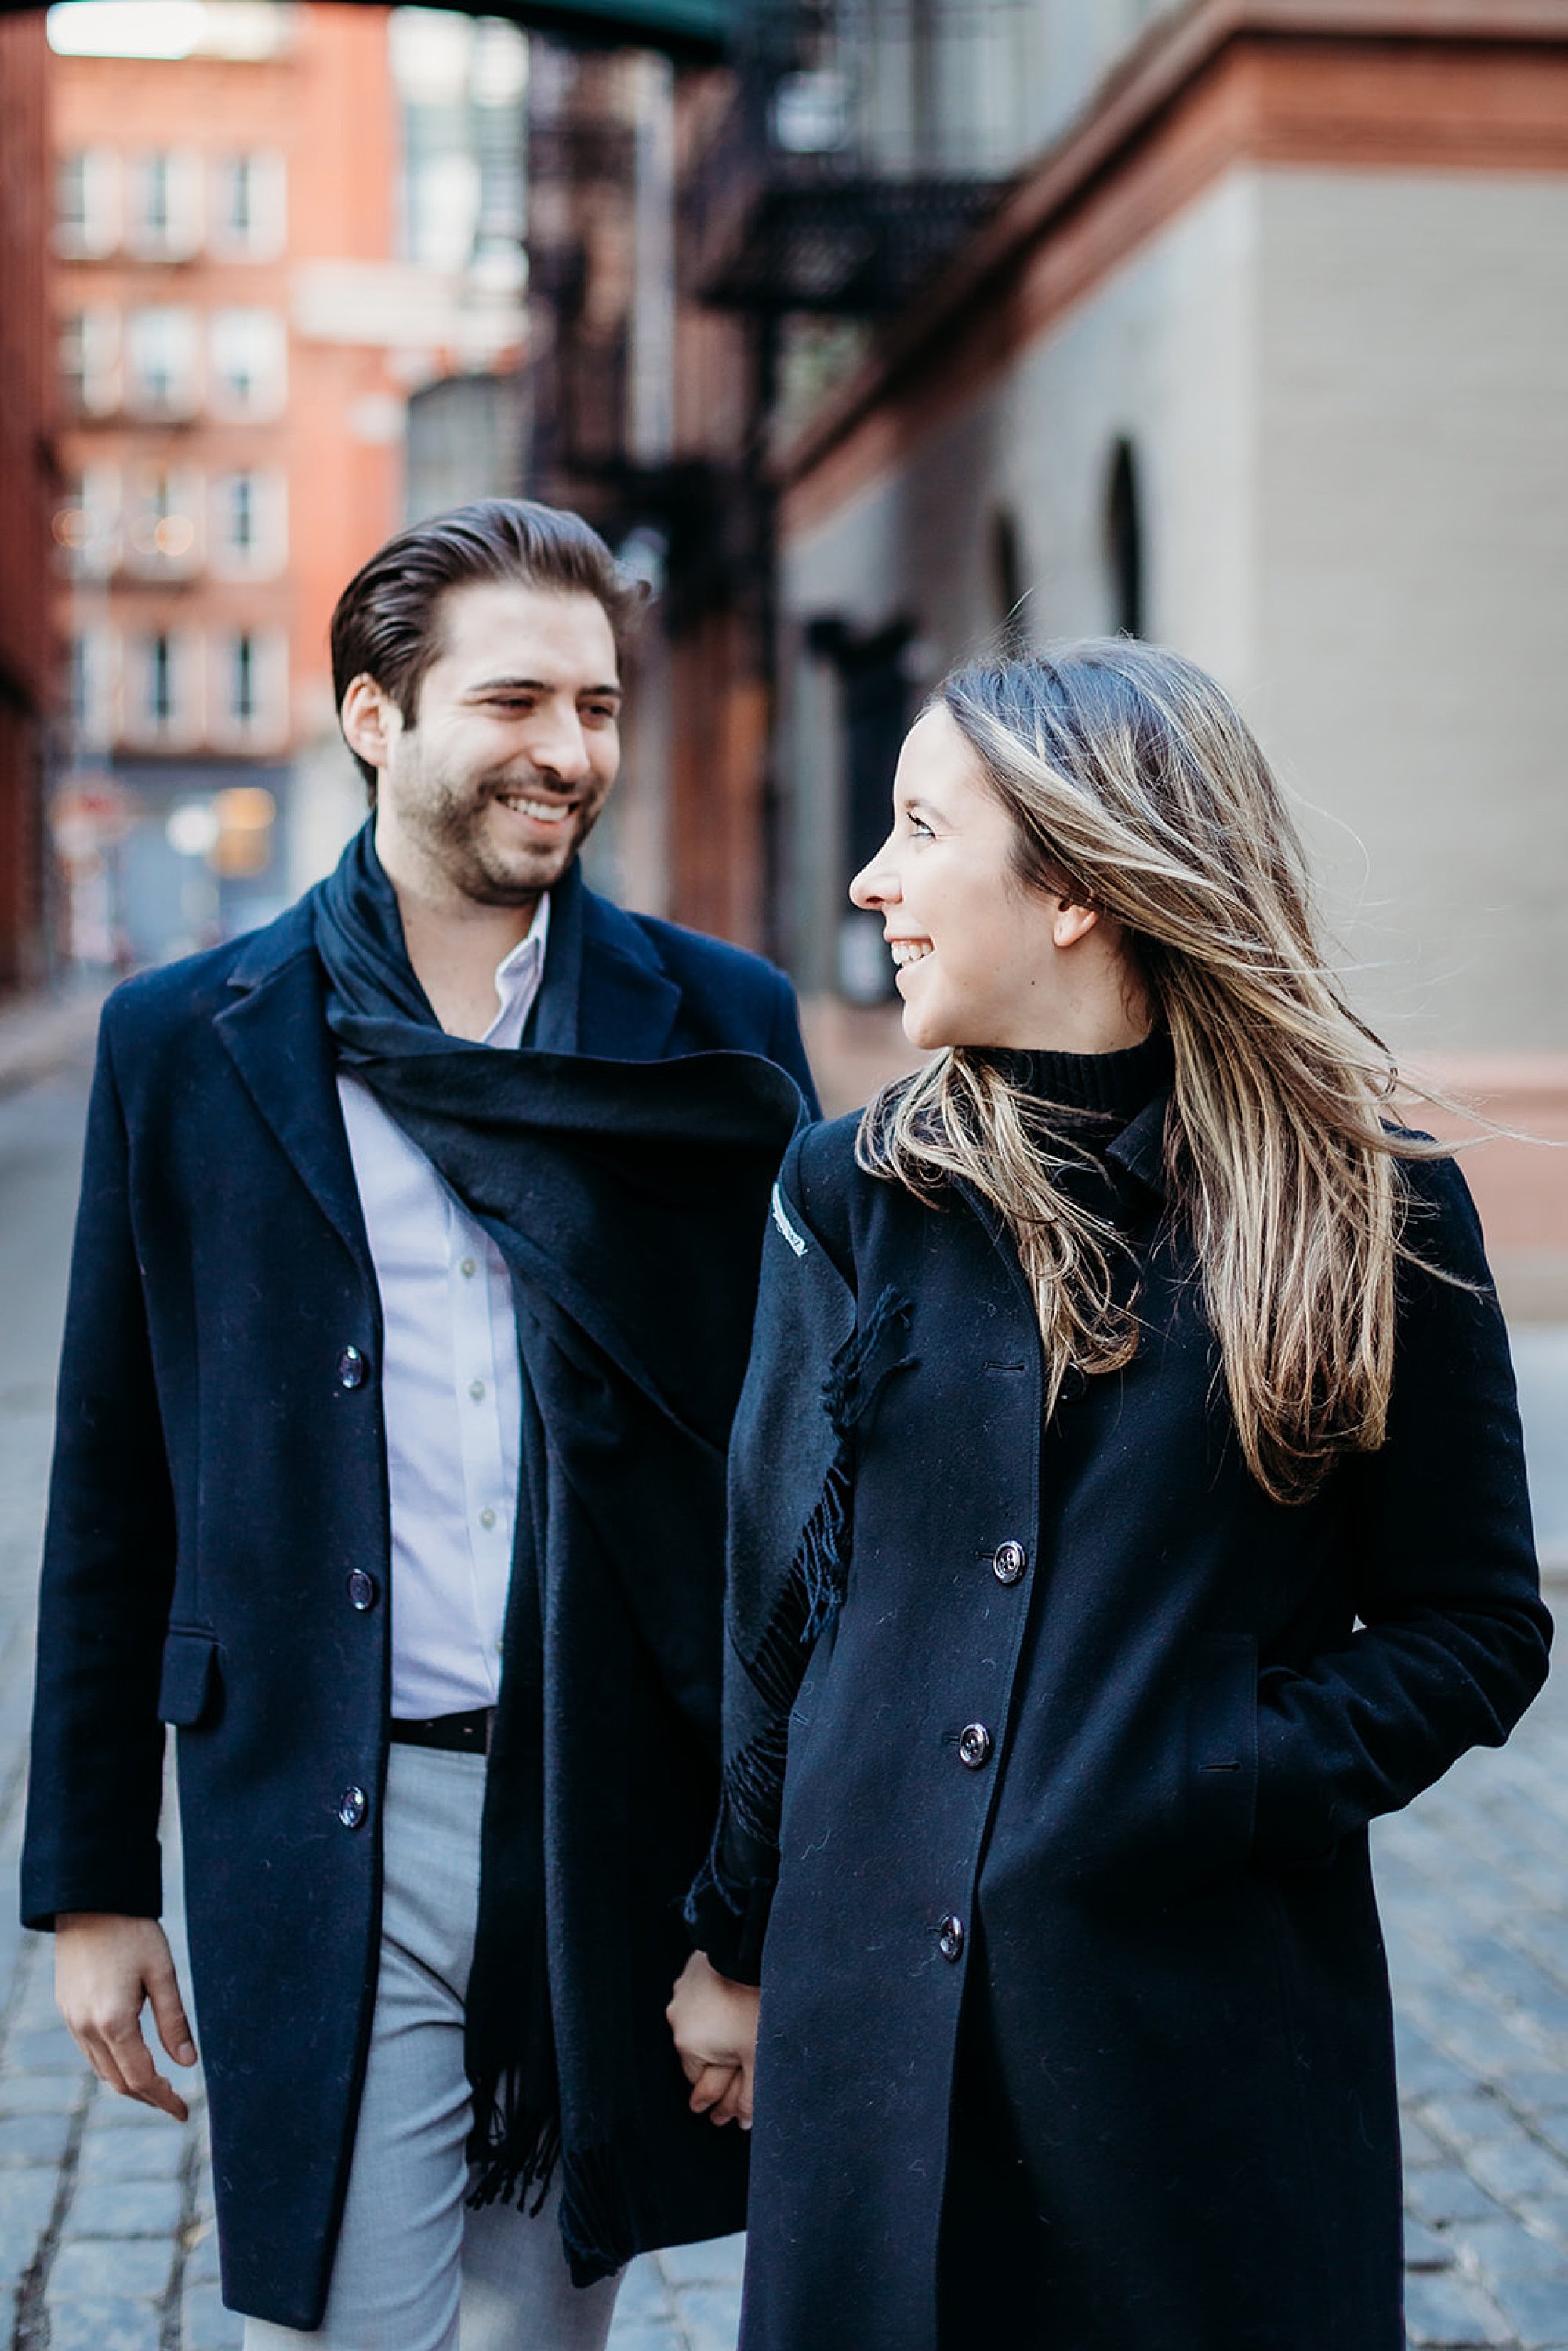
{"x": 687, "y": 28}
{"x": 697, "y": 30}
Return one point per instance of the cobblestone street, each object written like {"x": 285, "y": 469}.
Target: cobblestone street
{"x": 106, "y": 2238}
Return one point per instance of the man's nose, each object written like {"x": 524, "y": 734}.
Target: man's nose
{"x": 560, "y": 749}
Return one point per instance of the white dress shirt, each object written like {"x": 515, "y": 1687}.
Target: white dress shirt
{"x": 450, "y": 1391}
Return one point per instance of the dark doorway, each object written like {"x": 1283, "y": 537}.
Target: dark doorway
{"x": 1125, "y": 542}
{"x": 875, "y": 710}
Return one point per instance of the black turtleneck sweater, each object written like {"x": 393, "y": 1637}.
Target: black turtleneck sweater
{"x": 1106, "y": 1090}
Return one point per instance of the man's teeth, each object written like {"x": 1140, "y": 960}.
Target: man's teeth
{"x": 909, "y": 950}
{"x": 544, "y": 811}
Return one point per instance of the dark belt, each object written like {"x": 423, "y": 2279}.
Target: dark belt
{"x": 459, "y": 1734}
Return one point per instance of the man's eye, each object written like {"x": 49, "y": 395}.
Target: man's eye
{"x": 601, "y": 710}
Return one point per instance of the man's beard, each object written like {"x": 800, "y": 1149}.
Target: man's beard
{"x": 451, "y": 826}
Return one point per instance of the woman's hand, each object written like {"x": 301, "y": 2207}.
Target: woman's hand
{"x": 715, "y": 2025}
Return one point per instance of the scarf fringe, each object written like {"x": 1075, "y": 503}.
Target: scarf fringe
{"x": 808, "y": 1605}
{"x": 517, "y": 2150}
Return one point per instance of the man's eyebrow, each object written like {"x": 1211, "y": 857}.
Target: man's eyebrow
{"x": 534, "y": 686}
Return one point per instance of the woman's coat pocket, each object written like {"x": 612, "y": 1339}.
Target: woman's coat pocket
{"x": 1222, "y": 1752}
{"x": 190, "y": 1683}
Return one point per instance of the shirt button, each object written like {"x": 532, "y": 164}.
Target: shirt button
{"x": 487, "y": 1518}
{"x": 468, "y": 1268}
{"x": 477, "y": 1390}
{"x": 350, "y": 1368}
{"x": 361, "y": 1590}
{"x": 974, "y": 1745}
{"x": 352, "y": 1806}
{"x": 1008, "y": 1561}
{"x": 950, "y": 1937}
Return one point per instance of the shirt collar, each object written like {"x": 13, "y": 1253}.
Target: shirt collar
{"x": 517, "y": 976}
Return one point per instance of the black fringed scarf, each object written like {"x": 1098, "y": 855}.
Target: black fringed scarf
{"x": 629, "y": 1200}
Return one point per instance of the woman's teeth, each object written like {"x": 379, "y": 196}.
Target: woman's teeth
{"x": 909, "y": 950}
{"x": 542, "y": 811}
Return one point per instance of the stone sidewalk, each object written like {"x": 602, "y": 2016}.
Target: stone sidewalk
{"x": 106, "y": 2236}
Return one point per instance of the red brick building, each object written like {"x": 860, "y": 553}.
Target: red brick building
{"x": 27, "y": 491}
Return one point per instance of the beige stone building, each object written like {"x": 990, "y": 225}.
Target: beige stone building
{"x": 1262, "y": 353}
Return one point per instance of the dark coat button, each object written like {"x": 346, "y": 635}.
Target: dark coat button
{"x": 352, "y": 1806}
{"x": 361, "y": 1589}
{"x": 950, "y": 1937}
{"x": 1074, "y": 1385}
{"x": 1009, "y": 1563}
{"x": 350, "y": 1368}
{"x": 974, "y": 1745}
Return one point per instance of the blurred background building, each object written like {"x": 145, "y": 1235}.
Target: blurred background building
{"x": 272, "y": 242}
{"x": 874, "y": 333}
{"x": 27, "y": 663}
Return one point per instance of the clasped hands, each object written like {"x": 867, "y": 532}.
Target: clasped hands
{"x": 715, "y": 2025}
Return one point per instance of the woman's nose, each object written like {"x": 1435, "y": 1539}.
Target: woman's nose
{"x": 875, "y": 886}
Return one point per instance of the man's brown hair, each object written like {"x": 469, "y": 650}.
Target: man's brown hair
{"x": 387, "y": 623}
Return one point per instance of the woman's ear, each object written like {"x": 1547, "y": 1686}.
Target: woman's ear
{"x": 1071, "y": 923}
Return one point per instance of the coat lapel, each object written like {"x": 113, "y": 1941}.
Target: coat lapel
{"x": 274, "y": 1032}
{"x": 627, "y": 1003}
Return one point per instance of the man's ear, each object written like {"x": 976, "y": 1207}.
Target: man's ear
{"x": 370, "y": 720}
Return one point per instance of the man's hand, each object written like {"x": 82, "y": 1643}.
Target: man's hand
{"x": 105, "y": 1967}
{"x": 715, "y": 2025}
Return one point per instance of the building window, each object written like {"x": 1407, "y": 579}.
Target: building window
{"x": 249, "y": 362}
{"x": 160, "y": 681}
{"x": 242, "y": 679}
{"x": 166, "y": 205}
{"x": 249, "y": 534}
{"x": 90, "y": 687}
{"x": 164, "y": 360}
{"x": 87, "y": 203}
{"x": 248, "y": 692}
{"x": 248, "y": 211}
{"x": 162, "y": 522}
{"x": 90, "y": 361}
{"x": 163, "y": 689}
{"x": 86, "y": 524}
{"x": 1125, "y": 542}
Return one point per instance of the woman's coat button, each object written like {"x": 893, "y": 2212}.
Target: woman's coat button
{"x": 950, "y": 1937}
{"x": 361, "y": 1589}
{"x": 350, "y": 1368}
{"x": 1009, "y": 1563}
{"x": 974, "y": 1745}
{"x": 352, "y": 1806}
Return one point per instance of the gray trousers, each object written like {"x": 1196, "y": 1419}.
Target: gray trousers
{"x": 415, "y": 2269}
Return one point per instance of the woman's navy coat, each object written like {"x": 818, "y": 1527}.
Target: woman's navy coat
{"x": 1195, "y": 1700}
{"x": 219, "y": 1494}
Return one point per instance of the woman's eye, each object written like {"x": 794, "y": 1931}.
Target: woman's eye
{"x": 919, "y": 828}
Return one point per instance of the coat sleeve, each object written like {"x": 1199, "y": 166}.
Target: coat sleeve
{"x": 783, "y": 1453}
{"x": 96, "y": 1784}
{"x": 1452, "y": 1639}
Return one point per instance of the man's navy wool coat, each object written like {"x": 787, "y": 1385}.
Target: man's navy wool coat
{"x": 1093, "y": 1744}
{"x": 220, "y": 1475}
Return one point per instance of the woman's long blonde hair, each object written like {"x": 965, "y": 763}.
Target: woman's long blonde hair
{"x": 1136, "y": 788}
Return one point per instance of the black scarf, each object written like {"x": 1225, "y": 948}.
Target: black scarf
{"x": 628, "y": 1199}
